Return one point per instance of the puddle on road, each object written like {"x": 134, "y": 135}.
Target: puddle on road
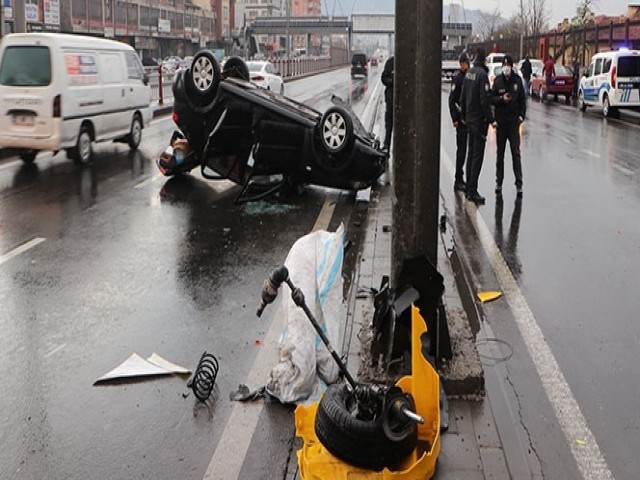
{"x": 268, "y": 208}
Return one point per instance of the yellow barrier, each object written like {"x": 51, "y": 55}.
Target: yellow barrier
{"x": 316, "y": 463}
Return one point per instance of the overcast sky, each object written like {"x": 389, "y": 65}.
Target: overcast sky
{"x": 559, "y": 9}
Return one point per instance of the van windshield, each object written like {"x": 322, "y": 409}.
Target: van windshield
{"x": 629, "y": 67}
{"x": 26, "y": 66}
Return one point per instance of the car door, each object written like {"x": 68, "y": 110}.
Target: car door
{"x": 598, "y": 78}
{"x": 113, "y": 79}
{"x": 137, "y": 92}
{"x": 588, "y": 89}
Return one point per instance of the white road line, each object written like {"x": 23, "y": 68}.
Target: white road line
{"x": 233, "y": 446}
{"x": 579, "y": 437}
{"x": 21, "y": 249}
{"x": 55, "y": 350}
{"x": 591, "y": 153}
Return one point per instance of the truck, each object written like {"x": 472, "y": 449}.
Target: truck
{"x": 450, "y": 64}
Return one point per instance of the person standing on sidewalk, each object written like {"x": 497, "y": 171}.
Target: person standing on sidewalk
{"x": 461, "y": 128}
{"x": 511, "y": 108}
{"x": 527, "y": 70}
{"x": 387, "y": 81}
{"x": 475, "y": 105}
{"x": 549, "y": 71}
{"x": 575, "y": 67}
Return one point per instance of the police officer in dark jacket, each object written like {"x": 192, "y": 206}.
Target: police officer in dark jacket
{"x": 475, "y": 103}
{"x": 456, "y": 118}
{"x": 511, "y": 108}
{"x": 387, "y": 81}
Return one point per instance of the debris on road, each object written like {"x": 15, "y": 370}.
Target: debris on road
{"x": 204, "y": 377}
{"x": 136, "y": 366}
{"x": 489, "y": 296}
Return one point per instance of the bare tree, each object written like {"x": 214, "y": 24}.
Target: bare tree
{"x": 488, "y": 23}
{"x": 584, "y": 13}
{"x": 538, "y": 13}
{"x": 512, "y": 28}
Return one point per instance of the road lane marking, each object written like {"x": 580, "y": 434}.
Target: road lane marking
{"x": 591, "y": 153}
{"x": 21, "y": 249}
{"x": 587, "y": 454}
{"x": 55, "y": 350}
{"x": 623, "y": 170}
{"x": 233, "y": 446}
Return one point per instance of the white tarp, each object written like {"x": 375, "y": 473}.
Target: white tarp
{"x": 136, "y": 366}
{"x": 315, "y": 266}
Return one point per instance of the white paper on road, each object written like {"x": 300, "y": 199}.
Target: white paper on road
{"x": 136, "y": 366}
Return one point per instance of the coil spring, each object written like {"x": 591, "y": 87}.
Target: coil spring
{"x": 204, "y": 377}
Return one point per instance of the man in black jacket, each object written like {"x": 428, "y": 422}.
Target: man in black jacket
{"x": 511, "y": 108}
{"x": 387, "y": 81}
{"x": 527, "y": 70}
{"x": 475, "y": 105}
{"x": 456, "y": 118}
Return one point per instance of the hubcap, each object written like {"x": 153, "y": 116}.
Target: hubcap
{"x": 136, "y": 132}
{"x": 334, "y": 131}
{"x": 202, "y": 73}
{"x": 85, "y": 147}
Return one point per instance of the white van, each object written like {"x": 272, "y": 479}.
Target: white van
{"x": 612, "y": 81}
{"x": 61, "y": 91}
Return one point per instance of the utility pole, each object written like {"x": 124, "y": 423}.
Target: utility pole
{"x": 416, "y": 143}
{"x": 288, "y": 6}
{"x": 19, "y": 17}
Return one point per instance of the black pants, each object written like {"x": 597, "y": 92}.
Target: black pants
{"x": 462, "y": 137}
{"x": 388, "y": 124}
{"x": 508, "y": 131}
{"x": 477, "y": 142}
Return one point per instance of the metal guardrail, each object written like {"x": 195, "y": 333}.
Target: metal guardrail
{"x": 161, "y": 81}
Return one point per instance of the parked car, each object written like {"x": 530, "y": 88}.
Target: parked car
{"x": 171, "y": 64}
{"x": 374, "y": 61}
{"x": 359, "y": 65}
{"x": 186, "y": 62}
{"x": 561, "y": 84}
{"x": 238, "y": 131}
{"x": 63, "y": 92}
{"x": 495, "y": 69}
{"x": 497, "y": 58}
{"x": 612, "y": 81}
{"x": 265, "y": 75}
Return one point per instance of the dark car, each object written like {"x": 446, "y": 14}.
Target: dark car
{"x": 358, "y": 65}
{"x": 374, "y": 61}
{"x": 561, "y": 84}
{"x": 237, "y": 131}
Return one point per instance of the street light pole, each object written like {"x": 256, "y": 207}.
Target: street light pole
{"x": 288, "y": 6}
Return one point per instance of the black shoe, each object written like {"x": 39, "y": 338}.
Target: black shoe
{"x": 476, "y": 198}
{"x": 460, "y": 186}
{"x": 498, "y": 189}
{"x": 519, "y": 194}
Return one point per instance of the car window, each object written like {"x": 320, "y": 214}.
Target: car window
{"x": 590, "y": 70}
{"x": 110, "y": 67}
{"x": 134, "y": 69}
{"x": 606, "y": 66}
{"x": 359, "y": 58}
{"x": 629, "y": 67}
{"x": 26, "y": 67}
{"x": 561, "y": 70}
{"x": 598, "y": 69}
{"x": 254, "y": 67}
{"x": 268, "y": 68}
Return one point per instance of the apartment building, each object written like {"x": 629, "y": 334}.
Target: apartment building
{"x": 155, "y": 28}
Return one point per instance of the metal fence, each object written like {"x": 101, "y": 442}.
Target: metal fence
{"x": 581, "y": 43}
{"x": 161, "y": 81}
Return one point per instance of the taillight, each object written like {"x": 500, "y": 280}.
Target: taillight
{"x": 614, "y": 73}
{"x": 175, "y": 117}
{"x": 258, "y": 78}
{"x": 57, "y": 106}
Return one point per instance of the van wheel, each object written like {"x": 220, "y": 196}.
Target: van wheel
{"x": 581, "y": 103}
{"x": 28, "y": 156}
{"x": 135, "y": 135}
{"x": 81, "y": 153}
{"x": 607, "y": 110}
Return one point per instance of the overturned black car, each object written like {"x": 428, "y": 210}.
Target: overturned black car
{"x": 234, "y": 130}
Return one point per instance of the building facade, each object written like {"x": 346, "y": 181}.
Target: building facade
{"x": 155, "y": 28}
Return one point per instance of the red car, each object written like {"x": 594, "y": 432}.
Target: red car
{"x": 561, "y": 84}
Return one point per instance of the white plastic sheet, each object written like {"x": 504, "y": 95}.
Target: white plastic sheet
{"x": 306, "y": 366}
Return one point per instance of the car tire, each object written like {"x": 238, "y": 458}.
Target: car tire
{"x": 135, "y": 134}
{"x": 202, "y": 78}
{"x": 336, "y": 129}
{"x": 581, "y": 103}
{"x": 567, "y": 99}
{"x": 82, "y": 152}
{"x": 362, "y": 443}
{"x": 607, "y": 110}
{"x": 235, "y": 67}
{"x": 28, "y": 155}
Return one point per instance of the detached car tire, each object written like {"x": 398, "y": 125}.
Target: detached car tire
{"x": 235, "y": 67}
{"x": 358, "y": 442}
{"x": 202, "y": 78}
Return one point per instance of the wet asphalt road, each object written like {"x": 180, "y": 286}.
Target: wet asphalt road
{"x": 134, "y": 262}
{"x": 573, "y": 246}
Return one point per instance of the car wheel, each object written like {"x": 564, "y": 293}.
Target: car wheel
{"x": 203, "y": 77}
{"x": 28, "y": 155}
{"x": 607, "y": 110}
{"x": 235, "y": 67}
{"x": 362, "y": 443}
{"x": 337, "y": 130}
{"x": 135, "y": 135}
{"x": 81, "y": 153}
{"x": 567, "y": 99}
{"x": 581, "y": 103}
